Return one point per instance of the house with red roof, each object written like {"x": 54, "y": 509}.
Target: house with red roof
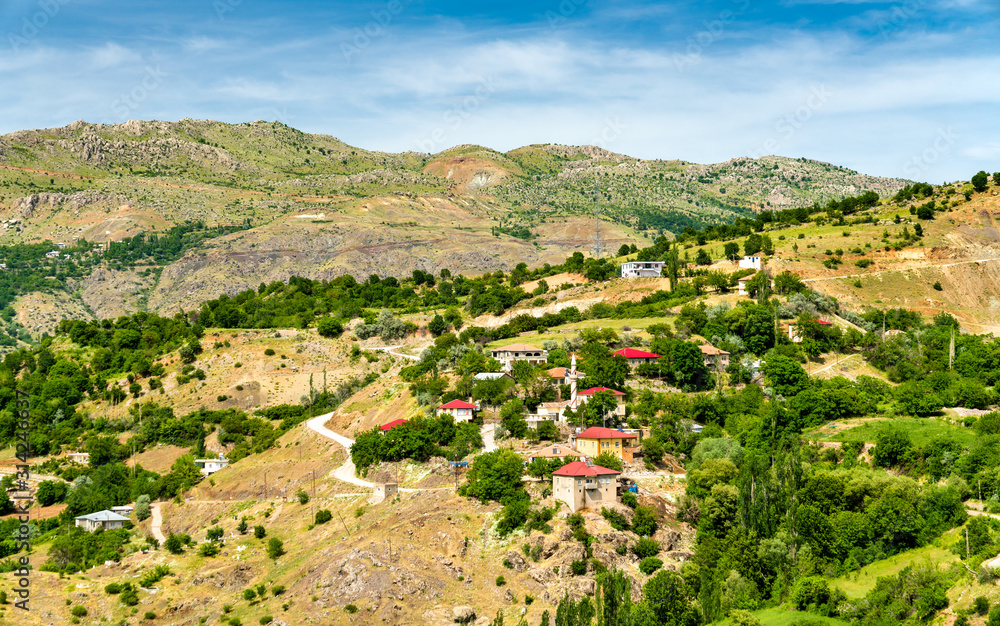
{"x": 394, "y": 423}
{"x": 459, "y": 409}
{"x": 598, "y": 439}
{"x": 582, "y": 484}
{"x": 585, "y": 395}
{"x": 637, "y": 357}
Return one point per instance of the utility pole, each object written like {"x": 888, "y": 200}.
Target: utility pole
{"x": 597, "y": 218}
{"x": 265, "y": 484}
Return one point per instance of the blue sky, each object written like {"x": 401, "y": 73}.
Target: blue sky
{"x": 909, "y": 88}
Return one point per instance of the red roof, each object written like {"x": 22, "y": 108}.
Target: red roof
{"x": 579, "y": 468}
{"x": 457, "y": 404}
{"x": 393, "y": 424}
{"x": 593, "y": 390}
{"x": 599, "y": 432}
{"x": 632, "y": 353}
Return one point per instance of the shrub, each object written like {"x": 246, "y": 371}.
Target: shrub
{"x": 259, "y": 532}
{"x": 79, "y": 611}
{"x": 616, "y": 518}
{"x": 323, "y": 516}
{"x": 173, "y": 544}
{"x": 142, "y": 510}
{"x": 275, "y": 548}
{"x": 981, "y": 605}
{"x": 214, "y": 534}
{"x": 249, "y": 594}
{"x": 269, "y": 352}
{"x": 302, "y": 496}
{"x": 227, "y": 608}
{"x": 649, "y": 565}
{"x": 644, "y": 522}
{"x": 209, "y": 549}
{"x": 267, "y": 619}
{"x": 112, "y": 589}
{"x": 350, "y": 608}
{"x": 278, "y": 590}
{"x": 645, "y": 548}
{"x": 630, "y": 500}
{"x": 501, "y": 581}
{"x": 129, "y": 596}
{"x": 578, "y": 567}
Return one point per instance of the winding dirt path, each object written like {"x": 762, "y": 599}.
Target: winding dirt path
{"x": 157, "y": 525}
{"x": 347, "y": 472}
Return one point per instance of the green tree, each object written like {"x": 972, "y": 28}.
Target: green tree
{"x": 702, "y": 258}
{"x": 495, "y": 475}
{"x": 609, "y": 460}
{"x": 731, "y": 250}
{"x": 329, "y": 327}
{"x": 275, "y": 548}
{"x": 645, "y": 521}
{"x": 512, "y": 418}
{"x": 437, "y": 326}
{"x": 173, "y": 544}
{"x": 784, "y": 375}
{"x": 892, "y": 447}
{"x": 142, "y": 508}
{"x": 668, "y": 597}
{"x": 980, "y": 181}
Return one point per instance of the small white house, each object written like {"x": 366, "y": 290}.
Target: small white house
{"x": 461, "y": 411}
{"x": 750, "y": 263}
{"x": 108, "y": 520}
{"x": 743, "y": 285}
{"x": 211, "y": 466}
{"x": 643, "y": 269}
{"x": 125, "y": 510}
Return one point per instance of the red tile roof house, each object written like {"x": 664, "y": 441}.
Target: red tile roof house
{"x": 637, "y": 357}
{"x": 587, "y": 394}
{"x": 582, "y": 484}
{"x": 460, "y": 410}
{"x": 394, "y": 423}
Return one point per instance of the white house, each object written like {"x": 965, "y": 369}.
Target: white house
{"x": 461, "y": 411}
{"x": 743, "y": 285}
{"x": 520, "y": 352}
{"x": 108, "y": 520}
{"x": 491, "y": 376}
{"x": 125, "y": 510}
{"x": 750, "y": 263}
{"x": 211, "y": 466}
{"x": 643, "y": 269}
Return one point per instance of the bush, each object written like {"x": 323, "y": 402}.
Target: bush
{"x": 350, "y": 608}
{"x": 173, "y": 544}
{"x": 277, "y": 590}
{"x": 323, "y": 516}
{"x": 249, "y": 594}
{"x": 79, "y": 611}
{"x": 981, "y": 605}
{"x": 142, "y": 509}
{"x": 810, "y": 590}
{"x": 275, "y": 548}
{"x": 267, "y": 619}
{"x": 129, "y": 596}
{"x": 616, "y": 518}
{"x": 209, "y": 549}
{"x": 645, "y": 548}
{"x": 259, "y": 532}
{"x": 630, "y": 500}
{"x": 649, "y": 565}
{"x": 501, "y": 581}
{"x": 112, "y": 589}
{"x": 269, "y": 352}
{"x": 302, "y": 496}
{"x": 329, "y": 327}
{"x": 578, "y": 567}
{"x": 644, "y": 522}
{"x": 608, "y": 460}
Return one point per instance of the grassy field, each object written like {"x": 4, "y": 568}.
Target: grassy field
{"x": 857, "y": 584}
{"x": 787, "y": 617}
{"x": 921, "y": 430}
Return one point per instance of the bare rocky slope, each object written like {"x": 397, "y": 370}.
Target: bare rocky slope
{"x": 301, "y": 204}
